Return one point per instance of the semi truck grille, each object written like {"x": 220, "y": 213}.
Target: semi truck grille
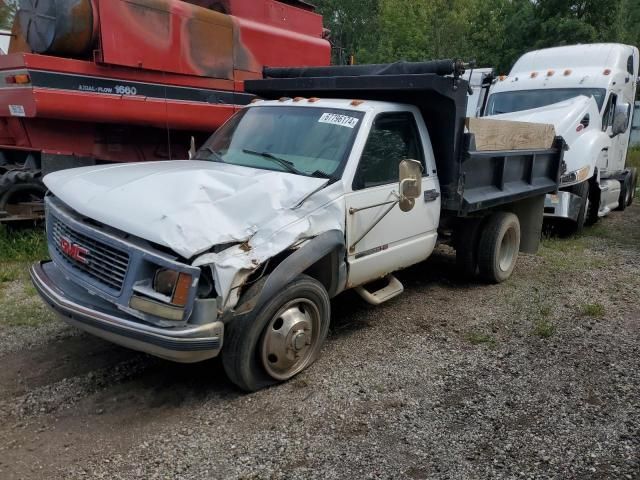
{"x": 104, "y": 263}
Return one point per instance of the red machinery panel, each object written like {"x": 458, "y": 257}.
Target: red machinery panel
{"x": 177, "y": 37}
{"x": 167, "y": 35}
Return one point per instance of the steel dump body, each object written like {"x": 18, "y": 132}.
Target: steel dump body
{"x": 470, "y": 180}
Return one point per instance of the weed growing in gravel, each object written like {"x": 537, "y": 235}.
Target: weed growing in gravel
{"x": 479, "y": 338}
{"x": 543, "y": 328}
{"x": 595, "y": 310}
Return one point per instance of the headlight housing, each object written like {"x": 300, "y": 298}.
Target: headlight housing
{"x": 577, "y": 176}
{"x": 172, "y": 284}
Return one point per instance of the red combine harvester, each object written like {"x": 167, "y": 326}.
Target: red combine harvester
{"x": 95, "y": 81}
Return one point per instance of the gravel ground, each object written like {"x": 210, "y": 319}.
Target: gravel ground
{"x": 536, "y": 378}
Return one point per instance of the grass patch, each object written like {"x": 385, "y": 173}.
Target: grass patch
{"x": 568, "y": 254}
{"x": 20, "y": 305}
{"x": 10, "y": 272}
{"x": 595, "y": 310}
{"x": 479, "y": 338}
{"x": 22, "y": 246}
{"x": 633, "y": 157}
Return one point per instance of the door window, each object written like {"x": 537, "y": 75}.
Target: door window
{"x": 607, "y": 119}
{"x": 394, "y": 137}
{"x": 630, "y": 65}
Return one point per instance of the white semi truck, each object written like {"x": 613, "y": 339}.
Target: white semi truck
{"x": 291, "y": 202}
{"x": 543, "y": 86}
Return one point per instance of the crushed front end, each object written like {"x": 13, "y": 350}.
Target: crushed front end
{"x": 126, "y": 290}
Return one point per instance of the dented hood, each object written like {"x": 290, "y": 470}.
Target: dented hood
{"x": 564, "y": 116}
{"x": 187, "y": 206}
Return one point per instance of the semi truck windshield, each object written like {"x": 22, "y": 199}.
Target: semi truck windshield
{"x": 517, "y": 101}
{"x": 307, "y": 141}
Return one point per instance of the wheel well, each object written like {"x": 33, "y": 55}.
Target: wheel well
{"x": 326, "y": 271}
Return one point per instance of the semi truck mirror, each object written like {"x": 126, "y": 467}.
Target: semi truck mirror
{"x": 621, "y": 118}
{"x": 410, "y": 184}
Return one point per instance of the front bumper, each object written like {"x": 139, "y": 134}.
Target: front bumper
{"x": 562, "y": 205}
{"x": 94, "y": 315}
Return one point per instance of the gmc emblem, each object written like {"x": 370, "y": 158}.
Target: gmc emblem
{"x": 73, "y": 250}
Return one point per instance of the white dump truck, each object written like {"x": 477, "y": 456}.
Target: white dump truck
{"x": 543, "y": 86}
{"x": 351, "y": 174}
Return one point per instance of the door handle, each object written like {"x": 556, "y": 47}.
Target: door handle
{"x": 431, "y": 195}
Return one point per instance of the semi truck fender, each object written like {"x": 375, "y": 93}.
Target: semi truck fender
{"x": 586, "y": 150}
{"x": 326, "y": 252}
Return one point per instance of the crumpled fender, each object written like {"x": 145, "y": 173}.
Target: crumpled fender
{"x": 298, "y": 262}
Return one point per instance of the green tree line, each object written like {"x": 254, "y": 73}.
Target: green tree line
{"x": 7, "y": 11}
{"x": 493, "y": 32}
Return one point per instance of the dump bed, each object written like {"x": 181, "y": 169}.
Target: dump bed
{"x": 472, "y": 177}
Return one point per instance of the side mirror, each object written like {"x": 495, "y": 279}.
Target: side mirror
{"x": 621, "y": 118}
{"x": 410, "y": 184}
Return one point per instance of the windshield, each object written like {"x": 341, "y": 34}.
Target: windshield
{"x": 307, "y": 141}
{"x": 508, "y": 102}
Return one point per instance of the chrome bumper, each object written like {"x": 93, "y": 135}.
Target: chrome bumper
{"x": 78, "y": 308}
{"x": 562, "y": 205}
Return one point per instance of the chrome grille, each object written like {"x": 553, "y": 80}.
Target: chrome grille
{"x": 106, "y": 264}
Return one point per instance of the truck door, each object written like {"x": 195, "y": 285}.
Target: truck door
{"x": 380, "y": 237}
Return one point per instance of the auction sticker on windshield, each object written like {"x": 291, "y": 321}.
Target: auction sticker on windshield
{"x": 337, "y": 119}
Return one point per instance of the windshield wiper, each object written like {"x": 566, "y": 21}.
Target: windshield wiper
{"x": 212, "y": 151}
{"x": 280, "y": 161}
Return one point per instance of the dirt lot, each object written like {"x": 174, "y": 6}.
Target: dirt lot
{"x": 536, "y": 378}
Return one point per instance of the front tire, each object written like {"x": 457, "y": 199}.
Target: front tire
{"x": 634, "y": 186}
{"x": 499, "y": 247}
{"x": 279, "y": 339}
{"x": 626, "y": 190}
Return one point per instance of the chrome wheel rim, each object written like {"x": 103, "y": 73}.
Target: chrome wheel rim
{"x": 507, "y": 250}
{"x": 290, "y": 340}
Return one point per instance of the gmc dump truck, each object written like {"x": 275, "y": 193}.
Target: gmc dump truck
{"x": 91, "y": 82}
{"x": 346, "y": 175}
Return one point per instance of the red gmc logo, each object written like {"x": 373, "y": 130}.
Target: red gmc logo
{"x": 74, "y": 250}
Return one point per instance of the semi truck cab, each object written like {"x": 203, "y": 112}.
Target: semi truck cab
{"x": 544, "y": 85}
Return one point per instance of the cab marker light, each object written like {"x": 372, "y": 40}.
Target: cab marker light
{"x": 357, "y": 103}
{"x": 502, "y": 78}
{"x": 298, "y": 99}
{"x": 313, "y": 100}
{"x": 551, "y": 73}
{"x": 567, "y": 72}
{"x": 534, "y": 74}
{"x": 607, "y": 71}
{"x": 256, "y": 100}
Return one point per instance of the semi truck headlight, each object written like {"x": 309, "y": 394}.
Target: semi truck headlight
{"x": 174, "y": 285}
{"x": 576, "y": 176}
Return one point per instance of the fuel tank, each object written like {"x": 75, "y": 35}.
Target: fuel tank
{"x": 59, "y": 27}
{"x": 224, "y": 39}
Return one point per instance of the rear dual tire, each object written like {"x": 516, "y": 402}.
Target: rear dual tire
{"x": 490, "y": 247}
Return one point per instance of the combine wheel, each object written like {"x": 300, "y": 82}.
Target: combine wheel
{"x": 21, "y": 193}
